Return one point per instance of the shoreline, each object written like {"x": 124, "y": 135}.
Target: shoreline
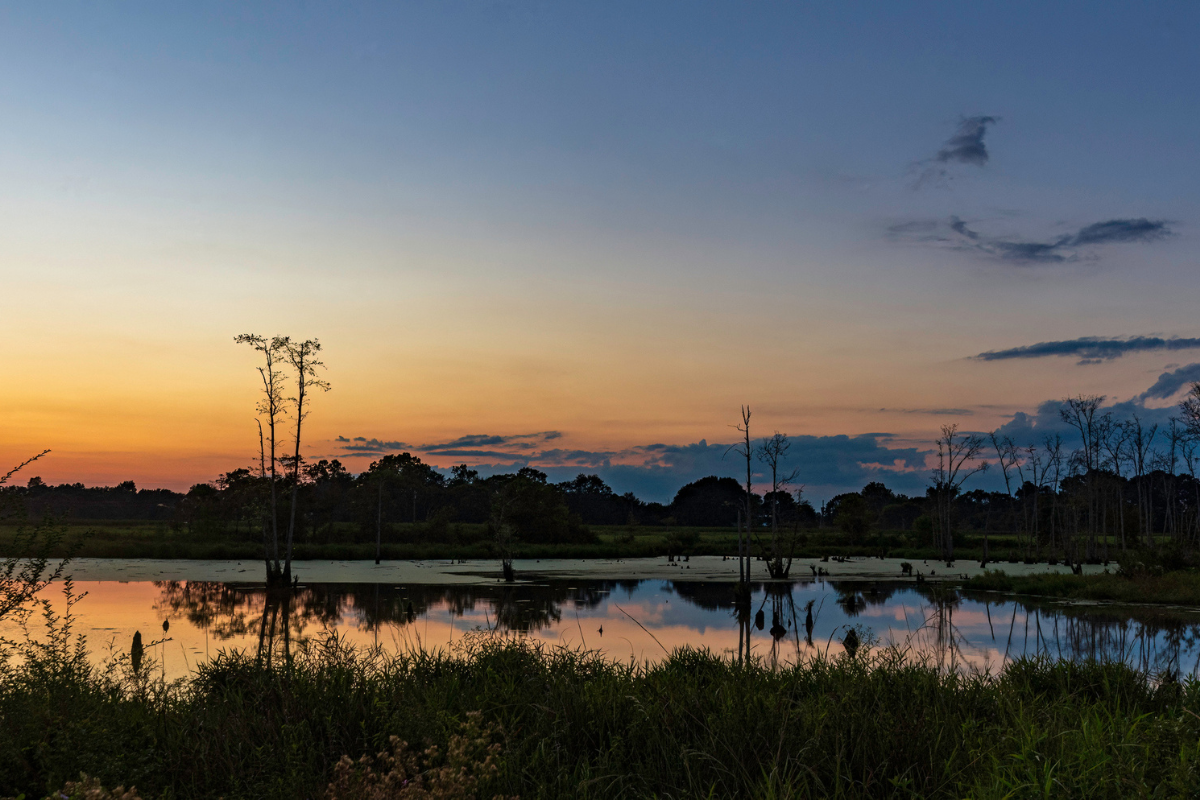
{"x": 712, "y": 569}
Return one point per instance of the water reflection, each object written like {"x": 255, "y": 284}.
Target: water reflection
{"x": 640, "y": 620}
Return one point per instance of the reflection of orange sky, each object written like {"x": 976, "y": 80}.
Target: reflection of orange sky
{"x": 113, "y": 611}
{"x": 639, "y": 628}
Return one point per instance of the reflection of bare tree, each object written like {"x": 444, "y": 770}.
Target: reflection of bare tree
{"x": 855, "y": 596}
{"x": 223, "y": 609}
{"x": 274, "y": 629}
{"x": 1159, "y": 641}
{"x": 232, "y": 610}
{"x": 1149, "y": 639}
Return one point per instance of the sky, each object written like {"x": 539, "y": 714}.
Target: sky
{"x": 582, "y": 236}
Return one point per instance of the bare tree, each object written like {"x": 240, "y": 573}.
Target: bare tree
{"x": 1037, "y": 465}
{"x": 1080, "y": 413}
{"x": 957, "y": 460}
{"x": 1190, "y": 452}
{"x": 772, "y": 452}
{"x": 1189, "y": 408}
{"x": 503, "y": 533}
{"x": 746, "y": 450}
{"x": 1167, "y": 462}
{"x": 272, "y": 405}
{"x": 1114, "y": 439}
{"x": 303, "y": 358}
{"x": 1008, "y": 457}
{"x": 1053, "y": 445}
{"x": 1190, "y": 411}
{"x": 1141, "y": 440}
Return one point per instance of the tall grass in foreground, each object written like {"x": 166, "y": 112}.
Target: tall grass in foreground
{"x": 575, "y": 725}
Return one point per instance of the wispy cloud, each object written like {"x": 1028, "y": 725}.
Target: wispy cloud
{"x": 966, "y": 146}
{"x": 955, "y": 234}
{"x": 1090, "y": 349}
{"x": 937, "y": 412}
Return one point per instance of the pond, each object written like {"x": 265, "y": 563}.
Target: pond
{"x": 639, "y": 618}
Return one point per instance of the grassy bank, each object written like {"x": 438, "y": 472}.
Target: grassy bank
{"x": 406, "y": 541}
{"x": 1180, "y": 588}
{"x": 576, "y": 726}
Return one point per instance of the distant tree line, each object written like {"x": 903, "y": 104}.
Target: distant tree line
{"x": 334, "y": 504}
{"x": 1128, "y": 484}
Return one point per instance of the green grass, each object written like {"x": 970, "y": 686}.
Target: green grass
{"x": 406, "y": 541}
{"x": 574, "y": 725}
{"x": 1181, "y": 588}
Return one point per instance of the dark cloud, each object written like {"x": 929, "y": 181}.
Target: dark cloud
{"x": 361, "y": 445}
{"x": 1090, "y": 349}
{"x": 828, "y": 465}
{"x": 1122, "y": 230}
{"x": 521, "y": 441}
{"x": 956, "y": 234}
{"x": 476, "y": 445}
{"x": 1030, "y": 429}
{"x": 966, "y": 145}
{"x": 515, "y": 458}
{"x": 1170, "y": 383}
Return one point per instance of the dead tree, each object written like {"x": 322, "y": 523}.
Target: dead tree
{"x": 1054, "y": 466}
{"x": 957, "y": 460}
{"x": 1007, "y": 457}
{"x": 1114, "y": 439}
{"x": 1189, "y": 448}
{"x": 772, "y": 452}
{"x": 1080, "y": 413}
{"x": 746, "y": 450}
{"x": 1167, "y": 462}
{"x": 1141, "y": 440}
{"x": 1038, "y": 467}
{"x": 272, "y": 405}
{"x": 303, "y": 358}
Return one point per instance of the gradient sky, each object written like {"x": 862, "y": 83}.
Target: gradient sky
{"x": 605, "y": 224}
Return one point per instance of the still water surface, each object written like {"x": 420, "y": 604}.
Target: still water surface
{"x": 634, "y": 619}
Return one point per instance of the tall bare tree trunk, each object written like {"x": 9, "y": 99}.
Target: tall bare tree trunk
{"x": 379, "y": 523}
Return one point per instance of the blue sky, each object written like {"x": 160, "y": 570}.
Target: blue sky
{"x": 615, "y": 221}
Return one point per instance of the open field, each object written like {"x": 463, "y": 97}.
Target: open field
{"x": 568, "y": 724}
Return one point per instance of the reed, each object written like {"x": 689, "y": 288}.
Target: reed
{"x": 571, "y": 724}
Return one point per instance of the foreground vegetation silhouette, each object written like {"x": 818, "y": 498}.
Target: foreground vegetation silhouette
{"x": 575, "y": 725}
